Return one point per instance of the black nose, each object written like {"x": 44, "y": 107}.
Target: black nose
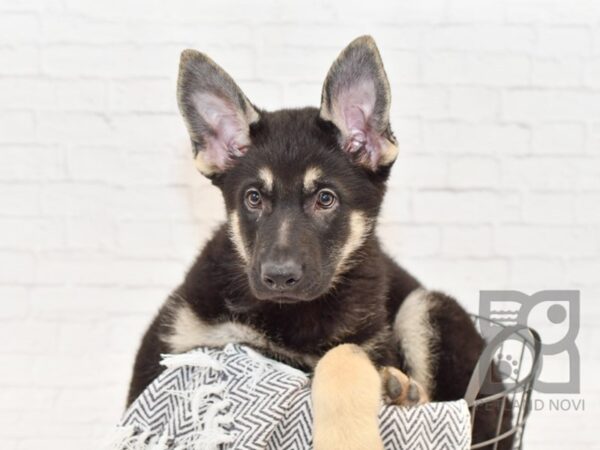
{"x": 281, "y": 276}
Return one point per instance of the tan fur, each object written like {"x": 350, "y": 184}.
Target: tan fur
{"x": 188, "y": 331}
{"x": 283, "y": 237}
{"x": 236, "y": 236}
{"x": 203, "y": 167}
{"x": 346, "y": 395}
{"x": 311, "y": 175}
{"x": 266, "y": 176}
{"x": 359, "y": 230}
{"x": 413, "y": 329}
{"x": 389, "y": 153}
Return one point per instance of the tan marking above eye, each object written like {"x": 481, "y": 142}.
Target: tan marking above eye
{"x": 311, "y": 176}
{"x": 266, "y": 176}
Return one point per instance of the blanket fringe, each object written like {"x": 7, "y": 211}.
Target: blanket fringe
{"x": 193, "y": 359}
{"x": 213, "y": 430}
{"x": 130, "y": 438}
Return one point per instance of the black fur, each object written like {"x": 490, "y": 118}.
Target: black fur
{"x": 326, "y": 307}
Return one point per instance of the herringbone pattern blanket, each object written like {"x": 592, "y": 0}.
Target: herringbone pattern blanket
{"x": 234, "y": 398}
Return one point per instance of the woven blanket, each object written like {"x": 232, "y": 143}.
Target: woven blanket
{"x": 234, "y": 398}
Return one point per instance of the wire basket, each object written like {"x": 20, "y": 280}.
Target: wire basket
{"x": 502, "y": 383}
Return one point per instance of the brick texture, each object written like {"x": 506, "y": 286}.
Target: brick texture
{"x": 496, "y": 104}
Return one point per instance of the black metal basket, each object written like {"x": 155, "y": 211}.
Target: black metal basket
{"x": 516, "y": 384}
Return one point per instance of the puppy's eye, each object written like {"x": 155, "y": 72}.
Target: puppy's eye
{"x": 325, "y": 199}
{"x": 253, "y": 199}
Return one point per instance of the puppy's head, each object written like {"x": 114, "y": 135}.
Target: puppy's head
{"x": 302, "y": 187}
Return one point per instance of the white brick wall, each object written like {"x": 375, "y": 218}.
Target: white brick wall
{"x": 496, "y": 106}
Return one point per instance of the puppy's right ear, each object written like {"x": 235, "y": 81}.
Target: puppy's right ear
{"x": 356, "y": 99}
{"x": 217, "y": 113}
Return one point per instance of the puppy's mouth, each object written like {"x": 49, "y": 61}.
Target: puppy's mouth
{"x": 312, "y": 290}
{"x": 285, "y": 298}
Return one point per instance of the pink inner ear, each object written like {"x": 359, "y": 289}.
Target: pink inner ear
{"x": 228, "y": 136}
{"x": 356, "y": 104}
{"x": 356, "y": 125}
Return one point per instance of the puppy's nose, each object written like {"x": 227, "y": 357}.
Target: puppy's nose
{"x": 281, "y": 276}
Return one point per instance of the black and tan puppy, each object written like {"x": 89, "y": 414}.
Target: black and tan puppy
{"x": 297, "y": 270}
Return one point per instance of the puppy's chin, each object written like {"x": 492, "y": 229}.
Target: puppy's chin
{"x": 253, "y": 302}
{"x": 285, "y": 298}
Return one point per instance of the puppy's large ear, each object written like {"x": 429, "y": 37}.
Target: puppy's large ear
{"x": 217, "y": 113}
{"x": 356, "y": 98}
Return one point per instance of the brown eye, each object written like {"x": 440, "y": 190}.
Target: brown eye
{"x": 325, "y": 199}
{"x": 253, "y": 199}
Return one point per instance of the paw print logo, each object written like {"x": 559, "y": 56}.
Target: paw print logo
{"x": 555, "y": 316}
{"x": 507, "y": 366}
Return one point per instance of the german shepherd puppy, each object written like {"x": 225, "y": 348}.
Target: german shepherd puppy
{"x": 297, "y": 271}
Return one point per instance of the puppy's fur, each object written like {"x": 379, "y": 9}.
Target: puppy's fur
{"x": 297, "y": 271}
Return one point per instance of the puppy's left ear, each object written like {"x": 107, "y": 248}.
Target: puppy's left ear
{"x": 356, "y": 98}
{"x": 217, "y": 113}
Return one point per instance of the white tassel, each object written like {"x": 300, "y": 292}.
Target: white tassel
{"x": 126, "y": 439}
{"x": 211, "y": 429}
{"x": 194, "y": 359}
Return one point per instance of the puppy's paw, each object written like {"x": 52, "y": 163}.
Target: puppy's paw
{"x": 399, "y": 389}
{"x": 346, "y": 393}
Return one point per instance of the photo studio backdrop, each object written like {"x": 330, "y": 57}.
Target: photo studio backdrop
{"x": 496, "y": 106}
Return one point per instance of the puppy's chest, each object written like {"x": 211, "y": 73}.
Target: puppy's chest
{"x": 185, "y": 330}
{"x": 299, "y": 343}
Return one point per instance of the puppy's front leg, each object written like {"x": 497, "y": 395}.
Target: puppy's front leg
{"x": 346, "y": 394}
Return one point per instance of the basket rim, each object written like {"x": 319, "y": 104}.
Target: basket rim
{"x": 476, "y": 382}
